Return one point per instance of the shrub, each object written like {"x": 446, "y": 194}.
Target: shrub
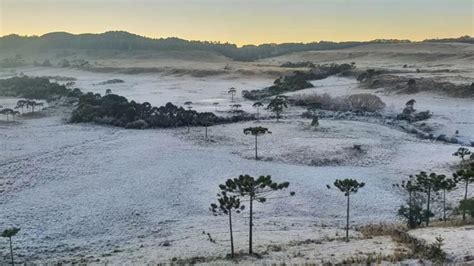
{"x": 414, "y": 215}
{"x": 138, "y": 124}
{"x": 467, "y": 205}
{"x": 353, "y": 103}
{"x": 365, "y": 102}
{"x": 409, "y": 113}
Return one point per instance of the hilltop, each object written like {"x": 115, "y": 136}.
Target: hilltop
{"x": 125, "y": 41}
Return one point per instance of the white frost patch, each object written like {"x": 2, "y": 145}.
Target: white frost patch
{"x": 458, "y": 241}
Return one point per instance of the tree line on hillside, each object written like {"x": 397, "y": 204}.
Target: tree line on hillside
{"x": 124, "y": 41}
{"x": 33, "y": 88}
{"x": 462, "y": 39}
{"x": 298, "y": 80}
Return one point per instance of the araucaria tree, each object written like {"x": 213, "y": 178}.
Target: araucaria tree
{"x": 20, "y": 104}
{"x": 348, "y": 187}
{"x": 225, "y": 205}
{"x": 206, "y": 120}
{"x": 444, "y": 184}
{"x": 7, "y": 112}
{"x": 413, "y": 213}
{"x": 465, "y": 176}
{"x": 256, "y": 131}
{"x": 9, "y": 233}
{"x": 258, "y": 105}
{"x": 189, "y": 105}
{"x": 232, "y": 92}
{"x": 428, "y": 184}
{"x": 277, "y": 105}
{"x": 188, "y": 117}
{"x": 235, "y": 107}
{"x": 253, "y": 189}
{"x": 462, "y": 153}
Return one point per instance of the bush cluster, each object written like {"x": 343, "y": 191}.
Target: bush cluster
{"x": 299, "y": 80}
{"x": 353, "y": 103}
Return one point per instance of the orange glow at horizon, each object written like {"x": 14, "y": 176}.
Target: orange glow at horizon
{"x": 244, "y": 21}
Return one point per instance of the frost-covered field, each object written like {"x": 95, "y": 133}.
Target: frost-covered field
{"x": 449, "y": 114}
{"x": 90, "y": 192}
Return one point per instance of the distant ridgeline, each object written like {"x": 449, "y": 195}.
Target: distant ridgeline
{"x": 111, "y": 109}
{"x": 119, "y": 40}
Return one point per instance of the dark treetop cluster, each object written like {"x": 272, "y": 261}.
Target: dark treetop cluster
{"x": 124, "y": 41}
{"x": 116, "y": 110}
{"x": 299, "y": 80}
{"x": 32, "y": 88}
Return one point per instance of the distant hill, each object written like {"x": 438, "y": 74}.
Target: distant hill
{"x": 120, "y": 40}
{"x": 462, "y": 39}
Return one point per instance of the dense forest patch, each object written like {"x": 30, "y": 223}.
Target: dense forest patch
{"x": 112, "y": 109}
{"x": 124, "y": 41}
{"x": 32, "y": 88}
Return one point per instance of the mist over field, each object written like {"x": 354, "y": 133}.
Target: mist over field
{"x": 121, "y": 147}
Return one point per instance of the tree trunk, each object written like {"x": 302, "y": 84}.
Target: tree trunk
{"x": 411, "y": 220}
{"x": 251, "y": 225}
{"x": 206, "y": 133}
{"x": 444, "y": 205}
{"x": 347, "y": 218}
{"x": 428, "y": 208}
{"x": 11, "y": 251}
{"x": 231, "y": 235}
{"x": 410, "y": 204}
{"x": 256, "y": 154}
{"x": 465, "y": 198}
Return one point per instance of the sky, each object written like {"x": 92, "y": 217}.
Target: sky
{"x": 244, "y": 21}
